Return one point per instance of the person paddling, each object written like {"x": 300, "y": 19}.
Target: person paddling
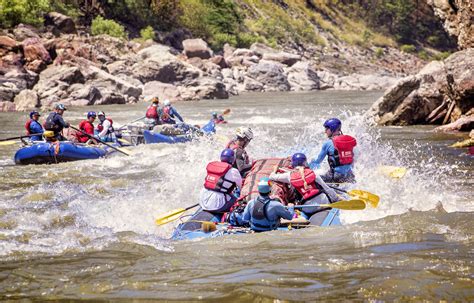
{"x": 32, "y": 126}
{"x": 221, "y": 181}
{"x": 55, "y": 121}
{"x": 264, "y": 213}
{"x": 339, "y": 149}
{"x": 153, "y": 113}
{"x": 105, "y": 129}
{"x": 218, "y": 119}
{"x": 170, "y": 114}
{"x": 310, "y": 188}
{"x": 243, "y": 136}
{"x": 87, "y": 126}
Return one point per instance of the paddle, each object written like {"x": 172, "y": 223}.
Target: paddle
{"x": 173, "y": 215}
{"x": 395, "y": 172}
{"x": 344, "y": 204}
{"x": 123, "y": 126}
{"x": 8, "y": 141}
{"x": 225, "y": 112}
{"x": 369, "y": 197}
{"x": 123, "y": 151}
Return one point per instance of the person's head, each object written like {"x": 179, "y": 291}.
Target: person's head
{"x": 167, "y": 102}
{"x": 264, "y": 187}
{"x": 34, "y": 115}
{"x": 91, "y": 116}
{"x": 101, "y": 116}
{"x": 228, "y": 156}
{"x": 244, "y": 135}
{"x": 214, "y": 115}
{"x": 298, "y": 159}
{"x": 332, "y": 126}
{"x": 155, "y": 101}
{"x": 60, "y": 108}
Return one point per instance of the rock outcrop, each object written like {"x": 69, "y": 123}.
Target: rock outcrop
{"x": 441, "y": 92}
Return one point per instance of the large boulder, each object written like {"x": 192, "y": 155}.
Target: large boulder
{"x": 14, "y": 81}
{"x": 282, "y": 57}
{"x": 441, "y": 92}
{"x": 60, "y": 23}
{"x": 270, "y": 74}
{"x": 162, "y": 90}
{"x": 36, "y": 55}
{"x": 26, "y": 100}
{"x": 54, "y": 82}
{"x": 303, "y": 77}
{"x": 7, "y": 106}
{"x": 22, "y": 32}
{"x": 196, "y": 48}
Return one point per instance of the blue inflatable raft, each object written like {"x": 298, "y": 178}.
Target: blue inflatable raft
{"x": 195, "y": 229}
{"x": 151, "y": 137}
{"x": 49, "y": 153}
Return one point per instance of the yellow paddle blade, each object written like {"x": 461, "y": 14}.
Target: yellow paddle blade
{"x": 8, "y": 142}
{"x": 373, "y": 199}
{"x": 346, "y": 204}
{"x": 125, "y": 151}
{"x": 123, "y": 141}
{"x": 170, "y": 216}
{"x": 393, "y": 171}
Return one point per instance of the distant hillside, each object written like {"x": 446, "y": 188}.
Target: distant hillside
{"x": 407, "y": 24}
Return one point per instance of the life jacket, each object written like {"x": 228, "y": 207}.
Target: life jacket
{"x": 100, "y": 127}
{"x": 165, "y": 115}
{"x": 215, "y": 177}
{"x": 233, "y": 145}
{"x": 27, "y": 126}
{"x": 49, "y": 124}
{"x": 343, "y": 150}
{"x": 259, "y": 211}
{"x": 152, "y": 112}
{"x": 305, "y": 185}
{"x": 86, "y": 127}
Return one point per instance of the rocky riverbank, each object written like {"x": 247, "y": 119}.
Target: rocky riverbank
{"x": 63, "y": 64}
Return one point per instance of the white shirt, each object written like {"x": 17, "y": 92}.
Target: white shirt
{"x": 213, "y": 200}
{"x": 286, "y": 177}
{"x": 106, "y": 125}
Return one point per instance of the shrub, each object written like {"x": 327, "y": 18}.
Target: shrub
{"x": 108, "y": 27}
{"x": 441, "y": 56}
{"x": 423, "y": 54}
{"x": 408, "y": 48}
{"x": 13, "y": 12}
{"x": 246, "y": 39}
{"x": 379, "y": 52}
{"x": 218, "y": 40}
{"x": 147, "y": 33}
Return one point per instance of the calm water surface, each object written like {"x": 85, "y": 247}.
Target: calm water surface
{"x": 85, "y": 230}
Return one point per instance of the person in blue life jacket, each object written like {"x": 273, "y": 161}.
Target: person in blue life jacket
{"x": 264, "y": 213}
{"x": 221, "y": 184}
{"x": 170, "y": 114}
{"x": 55, "y": 121}
{"x": 339, "y": 149}
{"x": 310, "y": 188}
{"x": 32, "y": 126}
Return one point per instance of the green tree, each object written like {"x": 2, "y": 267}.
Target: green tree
{"x": 13, "y": 12}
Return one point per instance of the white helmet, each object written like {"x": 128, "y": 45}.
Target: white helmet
{"x": 166, "y": 102}
{"x": 244, "y": 133}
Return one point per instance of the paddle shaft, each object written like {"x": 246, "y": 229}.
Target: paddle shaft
{"x": 123, "y": 126}
{"x": 94, "y": 138}
{"x": 25, "y": 136}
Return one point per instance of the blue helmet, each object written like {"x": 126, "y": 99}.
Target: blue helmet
{"x": 214, "y": 114}
{"x": 264, "y": 186}
{"x": 34, "y": 113}
{"x": 228, "y": 156}
{"x": 91, "y": 114}
{"x": 334, "y": 124}
{"x": 298, "y": 159}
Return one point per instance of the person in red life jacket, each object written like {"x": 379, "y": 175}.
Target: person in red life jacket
{"x": 153, "y": 113}
{"x": 221, "y": 183}
{"x": 55, "y": 122}
{"x": 310, "y": 188}
{"x": 105, "y": 129}
{"x": 243, "y": 136}
{"x": 218, "y": 119}
{"x": 170, "y": 114}
{"x": 86, "y": 126}
{"x": 32, "y": 126}
{"x": 339, "y": 149}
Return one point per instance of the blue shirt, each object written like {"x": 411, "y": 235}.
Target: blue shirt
{"x": 274, "y": 210}
{"x": 35, "y": 128}
{"x": 328, "y": 149}
{"x": 174, "y": 113}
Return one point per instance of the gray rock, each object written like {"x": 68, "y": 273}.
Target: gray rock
{"x": 80, "y": 92}
{"x": 60, "y": 23}
{"x": 22, "y": 32}
{"x": 271, "y": 75}
{"x": 282, "y": 57}
{"x": 26, "y": 100}
{"x": 260, "y": 49}
{"x": 196, "y": 48}
{"x": 252, "y": 85}
{"x": 161, "y": 90}
{"x": 7, "y": 106}
{"x": 302, "y": 76}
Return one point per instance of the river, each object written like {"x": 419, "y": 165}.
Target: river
{"x": 85, "y": 230}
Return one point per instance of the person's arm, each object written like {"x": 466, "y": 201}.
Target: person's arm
{"x": 236, "y": 177}
{"x": 60, "y": 120}
{"x": 283, "y": 178}
{"x": 329, "y": 191}
{"x": 175, "y": 113}
{"x": 246, "y": 215}
{"x": 322, "y": 154}
{"x": 240, "y": 161}
{"x": 284, "y": 213}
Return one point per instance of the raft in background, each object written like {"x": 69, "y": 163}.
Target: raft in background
{"x": 60, "y": 151}
{"x": 151, "y": 138}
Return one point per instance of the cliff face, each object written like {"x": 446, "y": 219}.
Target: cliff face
{"x": 458, "y": 17}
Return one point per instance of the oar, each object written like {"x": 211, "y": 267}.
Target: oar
{"x": 12, "y": 140}
{"x": 123, "y": 126}
{"x": 373, "y": 199}
{"x": 395, "y": 172}
{"x": 356, "y": 204}
{"x": 123, "y": 151}
{"x": 173, "y": 215}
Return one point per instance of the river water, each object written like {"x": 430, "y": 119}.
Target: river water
{"x": 85, "y": 230}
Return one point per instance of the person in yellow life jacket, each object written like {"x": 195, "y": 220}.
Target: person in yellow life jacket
{"x": 339, "y": 149}
{"x": 243, "y": 136}
{"x": 310, "y": 188}
{"x": 153, "y": 114}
